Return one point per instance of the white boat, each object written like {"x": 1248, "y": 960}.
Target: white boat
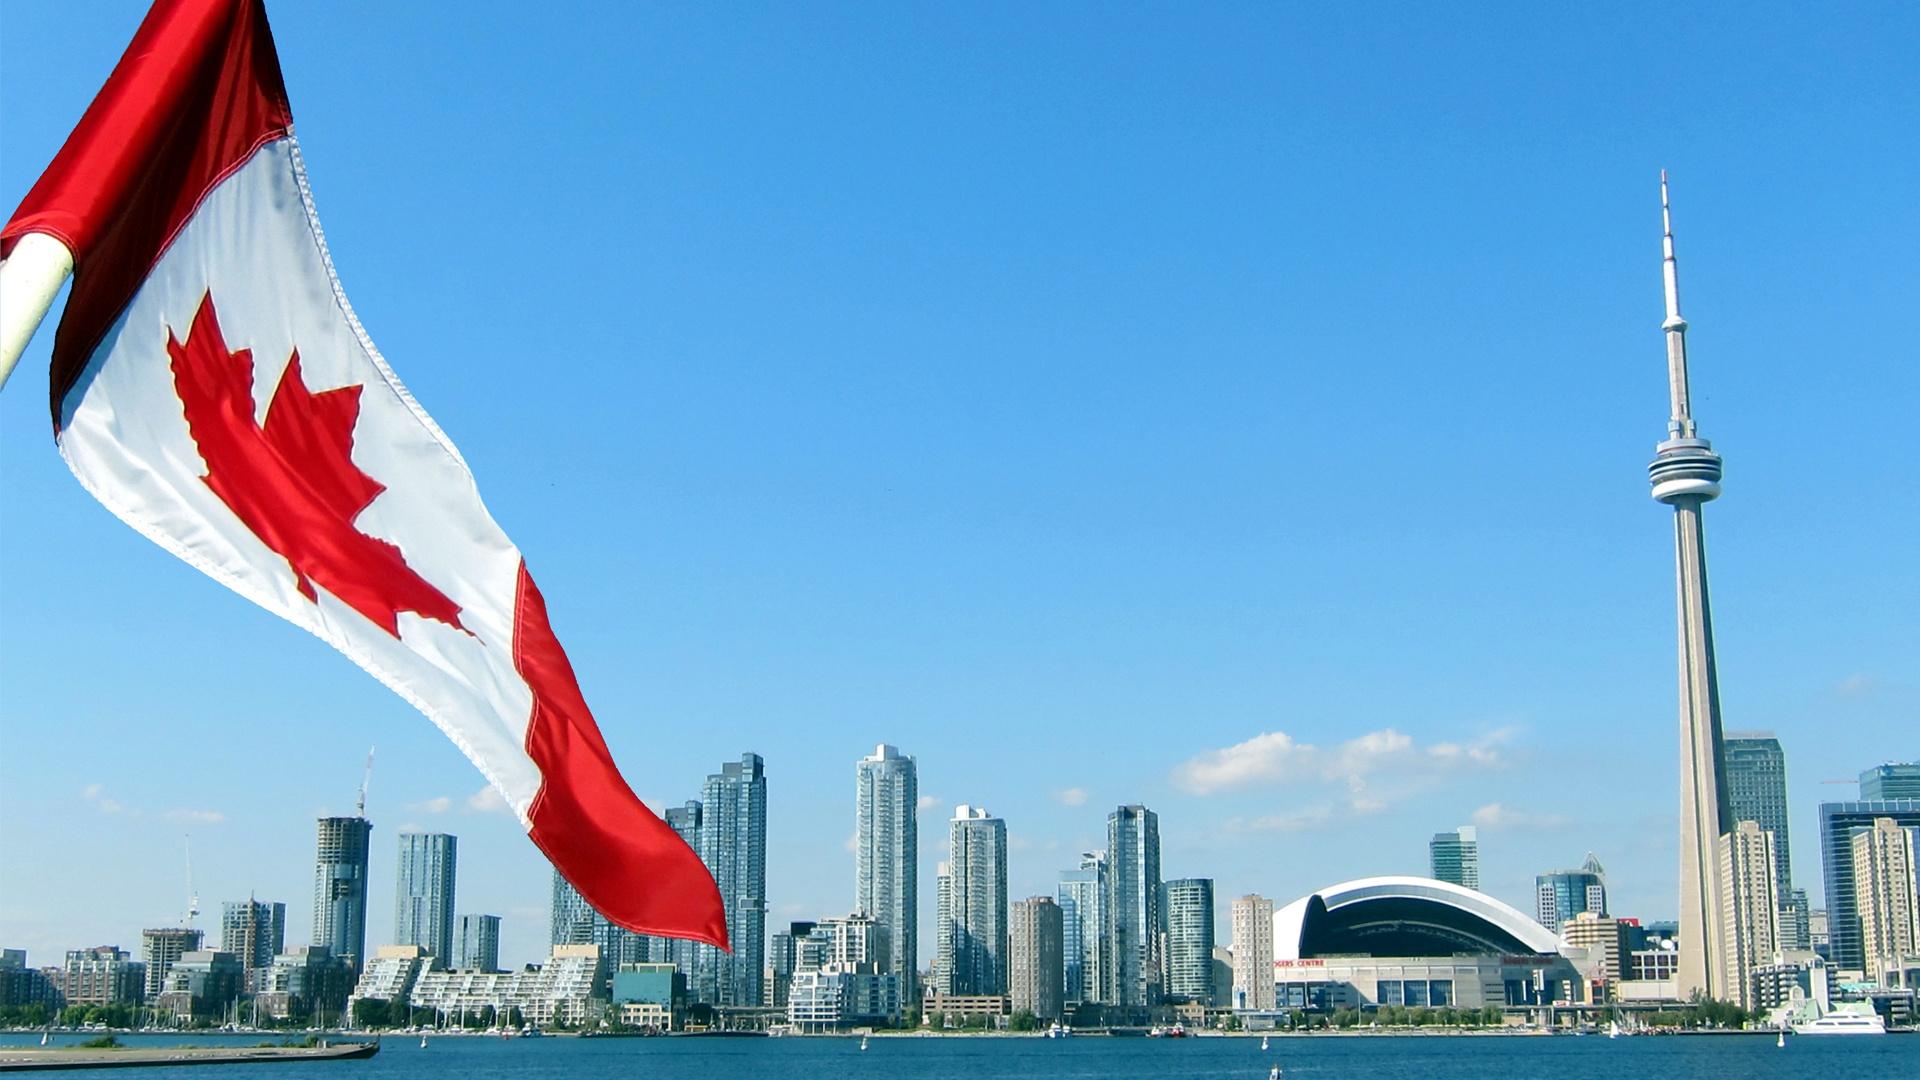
{"x": 863, "y": 1042}
{"x": 423, "y": 1042}
{"x": 1263, "y": 1042}
{"x": 1780, "y": 1039}
{"x": 1854, "y": 1019}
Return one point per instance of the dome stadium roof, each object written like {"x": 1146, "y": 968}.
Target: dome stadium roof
{"x": 1404, "y": 916}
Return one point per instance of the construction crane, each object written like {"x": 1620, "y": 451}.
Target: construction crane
{"x": 360, "y": 808}
{"x": 193, "y": 895}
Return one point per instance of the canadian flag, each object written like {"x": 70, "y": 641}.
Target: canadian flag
{"x": 211, "y": 387}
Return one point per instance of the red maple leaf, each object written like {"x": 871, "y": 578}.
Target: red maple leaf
{"x": 292, "y": 480}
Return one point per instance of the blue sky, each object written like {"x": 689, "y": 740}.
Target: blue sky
{"x": 1099, "y": 404}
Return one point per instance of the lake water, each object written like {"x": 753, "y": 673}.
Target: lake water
{"x": 1091, "y": 1057}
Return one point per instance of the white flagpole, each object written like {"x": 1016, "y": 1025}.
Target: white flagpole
{"x": 29, "y": 280}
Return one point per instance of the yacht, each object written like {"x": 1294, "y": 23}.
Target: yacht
{"x": 1844, "y": 1020}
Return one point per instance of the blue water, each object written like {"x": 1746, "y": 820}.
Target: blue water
{"x": 1314, "y": 1058}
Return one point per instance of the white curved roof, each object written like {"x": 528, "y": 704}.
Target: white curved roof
{"x": 1287, "y": 921}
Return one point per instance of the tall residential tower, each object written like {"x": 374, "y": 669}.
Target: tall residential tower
{"x": 886, "y": 855}
{"x": 423, "y": 893}
{"x": 1454, "y": 857}
{"x": 973, "y": 918}
{"x": 733, "y": 844}
{"x": 1686, "y": 476}
{"x": 340, "y": 887}
{"x": 1136, "y": 924}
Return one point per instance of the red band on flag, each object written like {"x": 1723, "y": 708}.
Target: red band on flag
{"x": 641, "y": 875}
{"x": 195, "y": 94}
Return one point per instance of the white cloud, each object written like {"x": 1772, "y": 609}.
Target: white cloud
{"x": 1312, "y": 817}
{"x": 928, "y": 802}
{"x": 487, "y": 801}
{"x": 1072, "y": 796}
{"x": 195, "y": 817}
{"x": 1501, "y": 816}
{"x": 1274, "y": 757}
{"x": 439, "y": 804}
{"x": 1269, "y": 757}
{"x": 96, "y": 795}
{"x": 1857, "y": 684}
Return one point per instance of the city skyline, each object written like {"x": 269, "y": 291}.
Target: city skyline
{"x": 916, "y": 448}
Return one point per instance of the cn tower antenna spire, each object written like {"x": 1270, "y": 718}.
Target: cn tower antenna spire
{"x": 1680, "y": 423}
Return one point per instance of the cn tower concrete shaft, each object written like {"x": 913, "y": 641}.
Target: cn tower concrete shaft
{"x": 1686, "y": 475}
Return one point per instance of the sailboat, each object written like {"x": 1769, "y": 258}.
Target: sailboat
{"x": 1780, "y": 1039}
{"x": 423, "y": 1042}
{"x": 1263, "y": 1042}
{"x": 863, "y": 1042}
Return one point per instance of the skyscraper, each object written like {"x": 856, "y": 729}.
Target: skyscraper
{"x": 1087, "y": 928}
{"x": 974, "y": 921}
{"x": 1757, "y": 791}
{"x": 1838, "y": 824}
{"x": 340, "y": 887}
{"x": 1751, "y": 919}
{"x": 476, "y": 943}
{"x": 255, "y": 931}
{"x": 886, "y": 854}
{"x": 1686, "y": 475}
{"x": 1885, "y": 893}
{"x": 684, "y": 820}
{"x": 942, "y": 971}
{"x": 1253, "y": 953}
{"x": 1036, "y": 945}
{"x": 423, "y": 893}
{"x": 1455, "y": 857}
{"x": 573, "y": 921}
{"x": 1133, "y": 897}
{"x": 1188, "y": 903}
{"x": 733, "y": 844}
{"x": 1562, "y": 894}
{"x": 160, "y": 949}
{"x": 1894, "y": 780}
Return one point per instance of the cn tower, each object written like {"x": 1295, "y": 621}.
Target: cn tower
{"x": 1686, "y": 475}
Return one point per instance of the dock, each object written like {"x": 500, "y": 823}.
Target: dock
{"x": 34, "y": 1058}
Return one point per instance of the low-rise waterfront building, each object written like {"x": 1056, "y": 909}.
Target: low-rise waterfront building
{"x": 569, "y": 990}
{"x": 835, "y": 998}
{"x": 307, "y": 980}
{"x": 390, "y": 975}
{"x": 649, "y": 996}
{"x": 203, "y": 982}
{"x": 955, "y": 1010}
{"x": 104, "y": 975}
{"x": 23, "y": 987}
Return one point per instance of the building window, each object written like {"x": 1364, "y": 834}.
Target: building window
{"x": 1390, "y": 993}
{"x": 1440, "y": 991}
{"x": 1416, "y": 991}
